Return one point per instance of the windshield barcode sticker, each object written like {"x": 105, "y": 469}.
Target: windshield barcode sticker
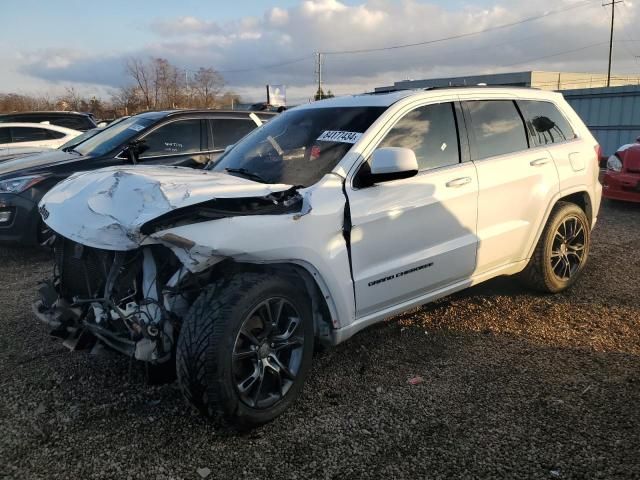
{"x": 338, "y": 136}
{"x": 136, "y": 127}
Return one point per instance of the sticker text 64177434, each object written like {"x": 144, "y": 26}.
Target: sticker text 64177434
{"x": 339, "y": 136}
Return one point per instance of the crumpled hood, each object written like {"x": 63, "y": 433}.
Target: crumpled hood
{"x": 106, "y": 208}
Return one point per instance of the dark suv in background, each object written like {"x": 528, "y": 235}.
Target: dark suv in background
{"x": 185, "y": 138}
{"x": 73, "y": 120}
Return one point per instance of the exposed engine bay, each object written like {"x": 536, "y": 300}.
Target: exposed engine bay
{"x": 133, "y": 301}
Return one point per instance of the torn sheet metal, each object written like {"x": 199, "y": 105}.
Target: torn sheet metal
{"x": 106, "y": 208}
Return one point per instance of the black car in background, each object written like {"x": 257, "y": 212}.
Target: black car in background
{"x": 73, "y": 120}
{"x": 185, "y": 138}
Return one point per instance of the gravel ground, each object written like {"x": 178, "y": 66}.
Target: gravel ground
{"x": 515, "y": 385}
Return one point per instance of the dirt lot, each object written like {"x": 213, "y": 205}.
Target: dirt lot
{"x": 516, "y": 385}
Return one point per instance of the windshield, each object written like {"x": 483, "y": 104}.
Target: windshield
{"x": 79, "y": 139}
{"x": 113, "y": 136}
{"x": 298, "y": 147}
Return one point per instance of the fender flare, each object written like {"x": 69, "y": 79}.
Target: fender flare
{"x": 556, "y": 198}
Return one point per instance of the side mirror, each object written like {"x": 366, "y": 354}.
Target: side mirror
{"x": 387, "y": 164}
{"x": 134, "y": 149}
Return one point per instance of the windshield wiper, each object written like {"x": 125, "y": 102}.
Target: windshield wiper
{"x": 246, "y": 173}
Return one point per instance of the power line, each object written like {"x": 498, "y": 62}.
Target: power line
{"x": 629, "y": 37}
{"x": 462, "y": 35}
{"x": 267, "y": 67}
{"x": 586, "y": 47}
{"x": 395, "y": 47}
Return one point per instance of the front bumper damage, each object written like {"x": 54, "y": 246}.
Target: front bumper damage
{"x": 121, "y": 274}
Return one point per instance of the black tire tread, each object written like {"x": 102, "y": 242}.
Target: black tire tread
{"x": 533, "y": 276}
{"x": 203, "y": 330}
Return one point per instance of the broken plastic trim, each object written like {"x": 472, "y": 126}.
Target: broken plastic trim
{"x": 280, "y": 203}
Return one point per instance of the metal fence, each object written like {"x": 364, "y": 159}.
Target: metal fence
{"x": 612, "y": 114}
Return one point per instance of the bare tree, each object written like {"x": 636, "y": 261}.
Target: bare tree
{"x": 141, "y": 74}
{"x": 126, "y": 101}
{"x": 207, "y": 83}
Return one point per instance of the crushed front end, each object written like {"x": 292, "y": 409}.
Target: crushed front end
{"x": 130, "y": 300}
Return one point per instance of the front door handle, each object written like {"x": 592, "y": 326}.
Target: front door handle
{"x": 538, "y": 161}
{"x": 458, "y": 182}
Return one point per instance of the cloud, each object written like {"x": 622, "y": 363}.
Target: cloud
{"x": 184, "y": 25}
{"x": 244, "y": 49}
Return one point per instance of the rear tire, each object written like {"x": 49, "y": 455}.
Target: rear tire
{"x": 562, "y": 250}
{"x": 245, "y": 348}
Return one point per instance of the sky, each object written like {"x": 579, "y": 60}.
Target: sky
{"x": 47, "y": 46}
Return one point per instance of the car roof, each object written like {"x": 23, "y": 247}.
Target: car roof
{"x": 387, "y": 99}
{"x": 46, "y": 126}
{"x": 223, "y": 113}
{"x": 45, "y": 112}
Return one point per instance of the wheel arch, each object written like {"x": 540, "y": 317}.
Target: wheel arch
{"x": 578, "y": 196}
{"x": 325, "y": 317}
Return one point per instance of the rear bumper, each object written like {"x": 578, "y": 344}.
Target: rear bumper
{"x": 23, "y": 218}
{"x": 621, "y": 186}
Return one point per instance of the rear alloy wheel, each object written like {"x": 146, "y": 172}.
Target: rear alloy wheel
{"x": 245, "y": 348}
{"x": 568, "y": 248}
{"x": 562, "y": 250}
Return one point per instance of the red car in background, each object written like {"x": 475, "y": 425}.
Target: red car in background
{"x": 621, "y": 181}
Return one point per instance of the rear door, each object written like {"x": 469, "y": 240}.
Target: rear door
{"x": 180, "y": 142}
{"x": 416, "y": 235}
{"x": 228, "y": 131}
{"x": 35, "y": 137}
{"x": 516, "y": 182}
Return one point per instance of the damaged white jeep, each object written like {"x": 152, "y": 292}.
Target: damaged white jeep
{"x": 331, "y": 217}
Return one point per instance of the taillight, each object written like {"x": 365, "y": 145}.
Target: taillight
{"x": 598, "y": 150}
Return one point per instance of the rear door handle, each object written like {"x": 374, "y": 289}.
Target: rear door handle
{"x": 539, "y": 161}
{"x": 458, "y": 182}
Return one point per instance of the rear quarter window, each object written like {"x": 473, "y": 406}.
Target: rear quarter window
{"x": 75, "y": 123}
{"x": 545, "y": 122}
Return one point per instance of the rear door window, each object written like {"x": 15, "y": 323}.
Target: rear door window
{"x": 4, "y": 135}
{"x": 545, "y": 123}
{"x": 497, "y": 127}
{"x": 75, "y": 123}
{"x": 228, "y": 131}
{"x": 175, "y": 138}
{"x": 32, "y": 134}
{"x": 429, "y": 131}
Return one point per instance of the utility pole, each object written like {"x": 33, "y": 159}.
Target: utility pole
{"x": 319, "y": 74}
{"x": 613, "y": 16}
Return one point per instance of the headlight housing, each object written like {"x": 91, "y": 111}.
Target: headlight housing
{"x": 19, "y": 184}
{"x": 614, "y": 163}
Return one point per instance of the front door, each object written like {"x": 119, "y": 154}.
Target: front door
{"x": 415, "y": 235}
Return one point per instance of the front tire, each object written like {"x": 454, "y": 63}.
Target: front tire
{"x": 245, "y": 348}
{"x": 562, "y": 250}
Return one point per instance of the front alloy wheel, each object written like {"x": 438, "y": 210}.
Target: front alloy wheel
{"x": 268, "y": 353}
{"x": 245, "y": 348}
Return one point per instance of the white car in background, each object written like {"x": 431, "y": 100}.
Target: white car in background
{"x": 32, "y": 137}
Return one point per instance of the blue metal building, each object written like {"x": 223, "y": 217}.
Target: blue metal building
{"x": 612, "y": 114}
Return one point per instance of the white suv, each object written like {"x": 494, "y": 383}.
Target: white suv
{"x": 329, "y": 218}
